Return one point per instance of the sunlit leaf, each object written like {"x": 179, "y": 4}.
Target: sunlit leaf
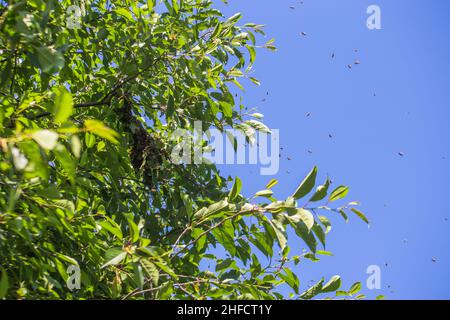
{"x": 306, "y": 185}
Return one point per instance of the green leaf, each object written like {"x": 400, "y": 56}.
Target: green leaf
{"x": 98, "y": 128}
{"x": 311, "y": 256}
{"x": 325, "y": 222}
{"x": 257, "y": 115}
{"x": 75, "y": 144}
{"x": 321, "y": 192}
{"x": 304, "y": 233}
{"x": 45, "y": 138}
{"x": 237, "y": 185}
{"x": 164, "y": 267}
{"x": 275, "y": 206}
{"x": 338, "y": 193}
{"x": 4, "y": 284}
{"x": 271, "y": 183}
{"x": 63, "y": 105}
{"x": 291, "y": 279}
{"x": 115, "y": 256}
{"x": 211, "y": 210}
{"x": 255, "y": 81}
{"x": 165, "y": 291}
{"x": 19, "y": 159}
{"x": 234, "y": 18}
{"x": 134, "y": 230}
{"x": 380, "y": 297}
{"x": 355, "y": 288}
{"x": 332, "y": 285}
{"x": 263, "y": 242}
{"x": 67, "y": 259}
{"x": 124, "y": 12}
{"x": 344, "y": 215}
{"x": 306, "y": 185}
{"x": 151, "y": 270}
{"x": 320, "y": 234}
{"x": 259, "y": 126}
{"x": 64, "y": 204}
{"x": 112, "y": 227}
{"x": 264, "y": 193}
{"x": 302, "y": 215}
{"x": 360, "y": 214}
{"x": 282, "y": 241}
{"x": 50, "y": 60}
{"x": 313, "y": 291}
{"x": 65, "y": 159}
{"x": 89, "y": 139}
{"x": 248, "y": 131}
{"x": 225, "y": 236}
{"x": 341, "y": 293}
{"x": 138, "y": 275}
{"x": 324, "y": 253}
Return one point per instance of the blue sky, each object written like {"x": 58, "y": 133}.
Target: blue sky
{"x": 396, "y": 100}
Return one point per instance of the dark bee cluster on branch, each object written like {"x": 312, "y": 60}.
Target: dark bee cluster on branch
{"x": 147, "y": 153}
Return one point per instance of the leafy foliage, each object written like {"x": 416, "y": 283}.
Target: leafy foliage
{"x": 87, "y": 119}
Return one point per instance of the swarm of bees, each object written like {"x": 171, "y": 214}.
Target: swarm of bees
{"x": 146, "y": 152}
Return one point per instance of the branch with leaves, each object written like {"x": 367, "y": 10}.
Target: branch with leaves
{"x": 86, "y": 120}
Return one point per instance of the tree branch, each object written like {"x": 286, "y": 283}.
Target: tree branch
{"x": 106, "y": 100}
{"x": 76, "y": 106}
{"x": 215, "y": 227}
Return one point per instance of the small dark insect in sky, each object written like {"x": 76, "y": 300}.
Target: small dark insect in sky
{"x": 330, "y": 135}
{"x": 289, "y": 158}
{"x": 357, "y": 62}
{"x": 303, "y": 33}
{"x": 309, "y": 151}
{"x": 434, "y": 259}
{"x": 332, "y": 55}
{"x": 308, "y": 114}
{"x": 292, "y": 7}
{"x": 401, "y": 154}
{"x": 349, "y": 66}
{"x": 263, "y": 100}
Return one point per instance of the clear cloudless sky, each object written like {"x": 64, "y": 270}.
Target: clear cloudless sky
{"x": 397, "y": 100}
